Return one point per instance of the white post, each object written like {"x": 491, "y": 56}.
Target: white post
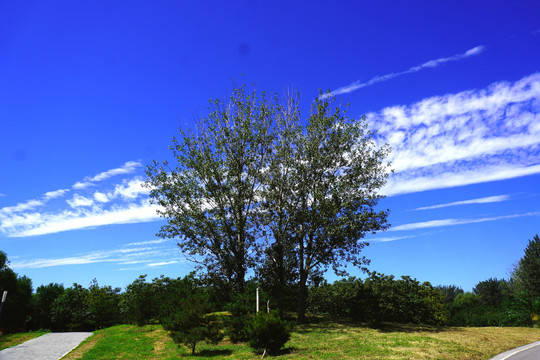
{"x": 3, "y": 301}
{"x": 257, "y": 300}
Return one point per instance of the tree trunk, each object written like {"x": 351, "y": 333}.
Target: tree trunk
{"x": 301, "y": 311}
{"x": 281, "y": 281}
{"x": 302, "y": 292}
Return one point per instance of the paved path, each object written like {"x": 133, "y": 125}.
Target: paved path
{"x": 51, "y": 346}
{"x": 526, "y": 352}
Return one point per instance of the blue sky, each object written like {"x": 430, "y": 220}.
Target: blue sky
{"x": 91, "y": 93}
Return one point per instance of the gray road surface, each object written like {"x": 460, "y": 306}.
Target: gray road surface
{"x": 51, "y": 346}
{"x": 526, "y": 352}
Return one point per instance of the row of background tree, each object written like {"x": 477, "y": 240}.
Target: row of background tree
{"x": 376, "y": 299}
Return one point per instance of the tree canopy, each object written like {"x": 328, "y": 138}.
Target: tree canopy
{"x": 253, "y": 187}
{"x": 527, "y": 271}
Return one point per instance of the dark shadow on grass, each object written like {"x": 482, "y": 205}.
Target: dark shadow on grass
{"x": 328, "y": 324}
{"x": 284, "y": 351}
{"x": 213, "y": 352}
{"x": 406, "y": 328}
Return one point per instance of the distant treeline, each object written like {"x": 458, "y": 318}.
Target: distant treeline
{"x": 378, "y": 298}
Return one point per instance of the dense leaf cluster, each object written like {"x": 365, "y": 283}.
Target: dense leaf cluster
{"x": 379, "y": 298}
{"x": 256, "y": 188}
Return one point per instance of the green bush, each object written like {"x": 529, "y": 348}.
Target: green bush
{"x": 190, "y": 323}
{"x": 241, "y": 315}
{"x": 268, "y": 333}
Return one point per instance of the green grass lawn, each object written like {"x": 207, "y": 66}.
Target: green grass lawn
{"x": 323, "y": 340}
{"x": 16, "y": 339}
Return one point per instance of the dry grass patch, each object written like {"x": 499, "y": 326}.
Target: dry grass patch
{"x": 159, "y": 336}
{"x": 324, "y": 340}
{"x": 83, "y": 347}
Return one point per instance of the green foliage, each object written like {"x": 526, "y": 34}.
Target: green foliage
{"x": 242, "y": 309}
{"x": 449, "y": 292}
{"x": 343, "y": 298}
{"x": 42, "y": 301}
{"x": 190, "y": 322}
{"x": 527, "y": 273}
{"x": 70, "y": 310}
{"x": 18, "y": 302}
{"x": 491, "y": 291}
{"x": 380, "y": 298}
{"x": 267, "y": 332}
{"x": 138, "y": 304}
{"x": 405, "y": 300}
{"x": 103, "y": 305}
{"x": 210, "y": 199}
{"x": 253, "y": 181}
{"x": 335, "y": 174}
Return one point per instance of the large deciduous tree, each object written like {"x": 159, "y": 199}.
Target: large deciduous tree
{"x": 339, "y": 172}
{"x": 211, "y": 197}
{"x": 254, "y": 178}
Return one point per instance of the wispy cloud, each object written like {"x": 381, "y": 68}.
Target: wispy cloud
{"x": 465, "y": 138}
{"x": 128, "y": 168}
{"x": 153, "y": 255}
{"x": 389, "y": 238}
{"x": 149, "y": 242}
{"x": 40, "y": 224}
{"x": 55, "y": 194}
{"x": 163, "y": 263}
{"x": 118, "y": 203}
{"x": 453, "y": 222}
{"x": 484, "y": 200}
{"x": 428, "y": 64}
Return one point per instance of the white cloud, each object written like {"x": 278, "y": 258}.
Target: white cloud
{"x": 79, "y": 200}
{"x": 82, "y": 185}
{"x": 42, "y": 224}
{"x": 464, "y": 138}
{"x": 25, "y": 206}
{"x": 121, "y": 203}
{"x": 101, "y": 197}
{"x": 428, "y": 64}
{"x": 389, "y": 238}
{"x": 147, "y": 255}
{"x": 452, "y": 222}
{"x": 484, "y": 200}
{"x": 32, "y": 204}
{"x": 149, "y": 242}
{"x": 163, "y": 263}
{"x": 130, "y": 189}
{"x": 55, "y": 194}
{"x": 128, "y": 168}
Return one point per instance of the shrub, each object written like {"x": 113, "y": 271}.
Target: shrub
{"x": 237, "y": 323}
{"x": 189, "y": 323}
{"x": 268, "y": 333}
